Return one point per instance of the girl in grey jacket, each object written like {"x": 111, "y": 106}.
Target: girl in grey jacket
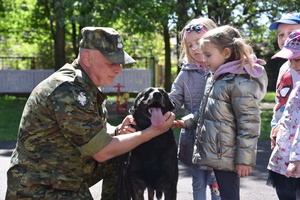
{"x": 187, "y": 90}
{"x": 228, "y": 121}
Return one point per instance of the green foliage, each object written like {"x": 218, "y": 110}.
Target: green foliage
{"x": 30, "y": 27}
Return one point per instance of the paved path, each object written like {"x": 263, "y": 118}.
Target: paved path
{"x": 253, "y": 187}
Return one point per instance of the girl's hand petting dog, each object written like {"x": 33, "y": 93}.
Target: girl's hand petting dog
{"x": 179, "y": 124}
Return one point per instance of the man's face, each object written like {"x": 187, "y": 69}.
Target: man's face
{"x": 284, "y": 31}
{"x": 295, "y": 64}
{"x": 101, "y": 70}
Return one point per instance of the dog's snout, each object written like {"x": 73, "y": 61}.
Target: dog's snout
{"x": 157, "y": 95}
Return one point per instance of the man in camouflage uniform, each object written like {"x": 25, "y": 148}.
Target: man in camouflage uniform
{"x": 65, "y": 144}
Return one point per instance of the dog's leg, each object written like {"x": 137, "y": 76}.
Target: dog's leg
{"x": 138, "y": 196}
{"x": 158, "y": 194}
{"x": 171, "y": 193}
{"x": 150, "y": 194}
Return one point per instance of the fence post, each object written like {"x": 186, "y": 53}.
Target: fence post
{"x": 152, "y": 68}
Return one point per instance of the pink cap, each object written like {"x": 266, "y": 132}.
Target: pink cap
{"x": 291, "y": 48}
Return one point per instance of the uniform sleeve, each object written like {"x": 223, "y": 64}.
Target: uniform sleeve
{"x": 80, "y": 119}
{"x": 246, "y": 109}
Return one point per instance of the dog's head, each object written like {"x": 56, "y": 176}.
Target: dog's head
{"x": 149, "y": 107}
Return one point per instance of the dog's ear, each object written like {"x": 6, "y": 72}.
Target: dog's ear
{"x": 131, "y": 110}
{"x": 138, "y": 99}
{"x": 168, "y": 100}
{"x": 172, "y": 104}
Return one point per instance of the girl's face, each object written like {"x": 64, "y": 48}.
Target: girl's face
{"x": 284, "y": 31}
{"x": 192, "y": 42}
{"x": 295, "y": 64}
{"x": 213, "y": 57}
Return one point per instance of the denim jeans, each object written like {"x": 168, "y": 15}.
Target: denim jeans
{"x": 202, "y": 179}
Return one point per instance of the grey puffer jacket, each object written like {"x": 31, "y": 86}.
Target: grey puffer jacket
{"x": 228, "y": 121}
{"x": 187, "y": 90}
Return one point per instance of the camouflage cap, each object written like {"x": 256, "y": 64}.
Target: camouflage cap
{"x": 107, "y": 41}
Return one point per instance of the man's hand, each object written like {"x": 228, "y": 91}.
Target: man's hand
{"x": 243, "y": 170}
{"x": 168, "y": 122}
{"x": 126, "y": 127}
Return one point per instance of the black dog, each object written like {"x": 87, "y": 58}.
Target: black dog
{"x": 153, "y": 164}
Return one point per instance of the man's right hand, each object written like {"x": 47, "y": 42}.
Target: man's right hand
{"x": 168, "y": 122}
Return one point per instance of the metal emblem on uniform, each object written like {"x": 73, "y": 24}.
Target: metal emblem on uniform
{"x": 82, "y": 98}
{"x": 119, "y": 45}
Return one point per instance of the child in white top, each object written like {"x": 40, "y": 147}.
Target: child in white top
{"x": 284, "y": 163}
{"x": 286, "y": 77}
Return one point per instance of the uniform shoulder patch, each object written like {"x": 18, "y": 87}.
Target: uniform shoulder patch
{"x": 82, "y": 98}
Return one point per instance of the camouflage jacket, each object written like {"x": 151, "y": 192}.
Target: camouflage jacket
{"x": 63, "y": 124}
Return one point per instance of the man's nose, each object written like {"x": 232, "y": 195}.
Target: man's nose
{"x": 118, "y": 68}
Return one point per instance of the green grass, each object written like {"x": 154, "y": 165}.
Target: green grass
{"x": 10, "y": 114}
{"x": 265, "y": 129}
{"x": 270, "y": 97}
{"x": 11, "y": 110}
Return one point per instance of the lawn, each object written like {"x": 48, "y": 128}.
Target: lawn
{"x": 11, "y": 109}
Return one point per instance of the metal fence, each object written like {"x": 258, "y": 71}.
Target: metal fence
{"x": 24, "y": 81}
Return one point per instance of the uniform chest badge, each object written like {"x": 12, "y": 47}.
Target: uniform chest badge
{"x": 82, "y": 98}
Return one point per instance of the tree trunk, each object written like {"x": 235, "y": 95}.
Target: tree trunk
{"x": 167, "y": 83}
{"x": 59, "y": 39}
{"x": 59, "y": 47}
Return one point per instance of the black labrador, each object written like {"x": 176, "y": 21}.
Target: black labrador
{"x": 153, "y": 164}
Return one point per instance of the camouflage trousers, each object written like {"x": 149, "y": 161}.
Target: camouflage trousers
{"x": 108, "y": 171}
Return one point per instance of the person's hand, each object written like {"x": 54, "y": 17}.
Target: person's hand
{"x": 168, "y": 123}
{"x": 243, "y": 170}
{"x": 273, "y": 136}
{"x": 293, "y": 168}
{"x": 179, "y": 124}
{"x": 126, "y": 127}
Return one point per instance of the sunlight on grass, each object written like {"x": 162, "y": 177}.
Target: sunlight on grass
{"x": 270, "y": 97}
{"x": 10, "y": 113}
{"x": 266, "y": 117}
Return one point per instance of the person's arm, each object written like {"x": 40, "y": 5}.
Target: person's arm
{"x": 177, "y": 92}
{"x": 125, "y": 142}
{"x": 247, "y": 116}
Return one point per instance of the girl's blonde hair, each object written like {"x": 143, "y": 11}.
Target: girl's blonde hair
{"x": 207, "y": 23}
{"x": 229, "y": 37}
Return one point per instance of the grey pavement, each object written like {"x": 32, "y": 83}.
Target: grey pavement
{"x": 253, "y": 187}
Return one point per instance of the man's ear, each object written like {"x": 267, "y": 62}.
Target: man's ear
{"x": 227, "y": 52}
{"x": 86, "y": 58}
